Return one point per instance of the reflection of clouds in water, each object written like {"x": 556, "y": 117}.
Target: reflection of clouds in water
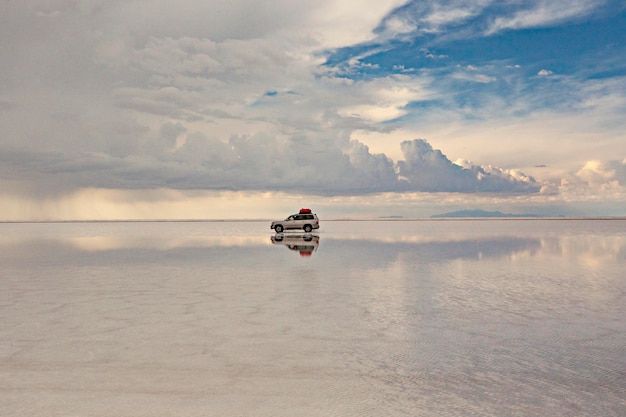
{"x": 593, "y": 251}
{"x": 113, "y": 243}
{"x": 403, "y": 282}
{"x": 379, "y": 254}
{"x": 357, "y": 245}
{"x": 101, "y": 243}
{"x": 107, "y": 236}
{"x": 387, "y": 309}
{"x": 444, "y": 316}
{"x": 542, "y": 280}
{"x": 499, "y": 314}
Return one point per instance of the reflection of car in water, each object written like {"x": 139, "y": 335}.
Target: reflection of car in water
{"x": 305, "y": 220}
{"x": 306, "y": 243}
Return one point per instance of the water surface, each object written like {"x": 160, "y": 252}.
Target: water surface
{"x": 415, "y": 318}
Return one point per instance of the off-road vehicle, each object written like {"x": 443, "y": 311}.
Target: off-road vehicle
{"x": 304, "y": 220}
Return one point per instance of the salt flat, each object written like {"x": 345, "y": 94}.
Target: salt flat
{"x": 516, "y": 318}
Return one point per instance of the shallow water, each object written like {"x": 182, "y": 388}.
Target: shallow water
{"x": 415, "y": 318}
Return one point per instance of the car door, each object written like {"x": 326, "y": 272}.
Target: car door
{"x": 298, "y": 221}
{"x": 291, "y": 222}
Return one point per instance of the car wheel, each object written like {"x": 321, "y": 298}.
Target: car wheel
{"x": 307, "y": 228}
{"x": 278, "y": 228}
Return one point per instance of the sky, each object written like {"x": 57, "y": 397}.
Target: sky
{"x": 194, "y": 109}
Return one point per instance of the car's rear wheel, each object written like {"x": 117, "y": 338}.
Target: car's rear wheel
{"x": 307, "y": 228}
{"x": 278, "y": 228}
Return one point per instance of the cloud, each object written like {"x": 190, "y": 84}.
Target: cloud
{"x": 599, "y": 173}
{"x": 544, "y": 73}
{"x": 192, "y": 161}
{"x": 540, "y": 13}
{"x": 472, "y": 73}
{"x": 427, "y": 169}
{"x": 383, "y": 99}
{"x": 436, "y": 16}
{"x": 453, "y": 13}
{"x": 349, "y": 22}
{"x": 462, "y": 19}
{"x": 243, "y": 95}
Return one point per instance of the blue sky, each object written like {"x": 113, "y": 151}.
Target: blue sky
{"x": 513, "y": 61}
{"x": 194, "y": 109}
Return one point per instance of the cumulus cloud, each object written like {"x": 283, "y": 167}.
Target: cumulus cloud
{"x": 199, "y": 95}
{"x": 598, "y": 173}
{"x": 192, "y": 161}
{"x": 428, "y": 169}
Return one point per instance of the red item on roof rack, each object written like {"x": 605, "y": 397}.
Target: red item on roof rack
{"x": 305, "y": 211}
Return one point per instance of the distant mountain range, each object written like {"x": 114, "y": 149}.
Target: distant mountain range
{"x": 479, "y": 213}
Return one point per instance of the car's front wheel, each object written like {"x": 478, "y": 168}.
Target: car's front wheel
{"x": 307, "y": 228}
{"x": 278, "y": 228}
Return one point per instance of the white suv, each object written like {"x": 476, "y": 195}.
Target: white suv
{"x": 304, "y": 220}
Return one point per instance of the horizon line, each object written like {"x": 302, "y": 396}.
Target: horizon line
{"x": 252, "y": 220}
